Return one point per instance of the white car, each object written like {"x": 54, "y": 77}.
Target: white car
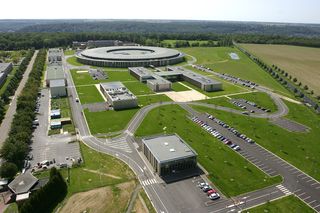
{"x": 214, "y": 196}
{"x": 203, "y": 184}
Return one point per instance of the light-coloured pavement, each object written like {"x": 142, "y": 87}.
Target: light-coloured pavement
{"x": 6, "y": 122}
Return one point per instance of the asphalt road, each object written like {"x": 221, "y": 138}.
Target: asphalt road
{"x": 182, "y": 196}
{"x": 6, "y": 122}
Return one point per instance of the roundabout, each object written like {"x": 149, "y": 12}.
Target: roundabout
{"x": 130, "y": 56}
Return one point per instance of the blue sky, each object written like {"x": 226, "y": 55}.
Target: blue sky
{"x": 298, "y": 11}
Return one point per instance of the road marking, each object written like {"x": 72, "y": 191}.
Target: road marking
{"x": 314, "y": 184}
{"x": 316, "y": 206}
{"x": 292, "y": 169}
{"x": 318, "y": 187}
{"x": 301, "y": 194}
{"x": 306, "y": 198}
{"x": 300, "y": 175}
{"x": 304, "y": 177}
{"x": 312, "y": 202}
{"x": 297, "y": 171}
{"x": 283, "y": 189}
{"x": 298, "y": 190}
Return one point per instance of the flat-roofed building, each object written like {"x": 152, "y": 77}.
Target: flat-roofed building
{"x": 55, "y": 55}
{"x": 54, "y": 72}
{"x": 118, "y": 96}
{"x": 103, "y": 43}
{"x": 5, "y": 69}
{"x": 154, "y": 82}
{"x": 169, "y": 154}
{"x": 203, "y": 82}
{"x": 58, "y": 88}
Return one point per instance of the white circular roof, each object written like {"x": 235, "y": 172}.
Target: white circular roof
{"x": 125, "y": 53}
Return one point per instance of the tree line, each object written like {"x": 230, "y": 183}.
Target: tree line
{"x": 16, "y": 147}
{"x": 46, "y": 198}
{"x": 14, "y": 83}
{"x": 18, "y": 41}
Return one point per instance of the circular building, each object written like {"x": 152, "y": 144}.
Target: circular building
{"x": 130, "y": 56}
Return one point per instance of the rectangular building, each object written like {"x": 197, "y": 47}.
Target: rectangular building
{"x": 118, "y": 96}
{"x": 5, "y": 69}
{"x": 54, "y": 72}
{"x": 169, "y": 154}
{"x": 103, "y": 43}
{"x": 203, "y": 82}
{"x": 154, "y": 81}
{"x": 58, "y": 88}
{"x": 55, "y": 55}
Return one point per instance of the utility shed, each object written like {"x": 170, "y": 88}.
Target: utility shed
{"x": 169, "y": 154}
{"x": 58, "y": 88}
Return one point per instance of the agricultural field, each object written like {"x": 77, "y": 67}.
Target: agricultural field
{"x": 299, "y": 149}
{"x": 231, "y": 173}
{"x": 287, "y": 204}
{"x": 219, "y": 60}
{"x": 300, "y": 62}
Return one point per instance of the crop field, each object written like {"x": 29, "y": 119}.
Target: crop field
{"x": 283, "y": 205}
{"x": 231, "y": 173}
{"x": 299, "y": 149}
{"x": 300, "y": 62}
{"x": 219, "y": 60}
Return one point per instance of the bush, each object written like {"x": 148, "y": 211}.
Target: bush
{"x": 8, "y": 170}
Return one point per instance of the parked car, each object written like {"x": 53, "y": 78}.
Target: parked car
{"x": 206, "y": 188}
{"x": 211, "y": 191}
{"x": 214, "y": 196}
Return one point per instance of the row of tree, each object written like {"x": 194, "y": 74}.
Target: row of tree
{"x": 14, "y": 83}
{"x": 18, "y": 41}
{"x": 46, "y": 199}
{"x": 286, "y": 80}
{"x": 16, "y": 147}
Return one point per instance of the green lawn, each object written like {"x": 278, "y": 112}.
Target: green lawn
{"x": 84, "y": 78}
{"x": 147, "y": 201}
{"x": 219, "y": 60}
{"x": 176, "y": 86}
{"x": 69, "y": 52}
{"x": 73, "y": 61}
{"x": 138, "y": 88}
{"x": 299, "y": 149}
{"x": 287, "y": 204}
{"x": 89, "y": 94}
{"x": 260, "y": 98}
{"x": 222, "y": 101}
{"x": 150, "y": 99}
{"x": 233, "y": 174}
{"x": 108, "y": 121}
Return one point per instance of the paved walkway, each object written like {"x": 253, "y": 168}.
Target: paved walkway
{"x": 6, "y": 123}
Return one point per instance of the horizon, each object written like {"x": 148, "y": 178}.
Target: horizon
{"x": 272, "y": 11}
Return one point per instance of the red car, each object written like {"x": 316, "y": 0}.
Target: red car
{"x": 211, "y": 191}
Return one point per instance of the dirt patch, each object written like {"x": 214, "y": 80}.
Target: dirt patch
{"x": 105, "y": 199}
{"x": 101, "y": 173}
{"x": 140, "y": 206}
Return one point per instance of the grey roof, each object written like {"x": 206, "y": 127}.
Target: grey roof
{"x": 168, "y": 147}
{"x": 23, "y": 183}
{"x": 55, "y": 72}
{"x": 57, "y": 83}
{"x": 117, "y": 91}
{"x": 4, "y": 66}
{"x": 190, "y": 74}
{"x": 119, "y": 53}
{"x": 55, "y": 112}
{"x": 152, "y": 76}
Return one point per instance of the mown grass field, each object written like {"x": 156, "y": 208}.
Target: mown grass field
{"x": 176, "y": 86}
{"x": 299, "y": 149}
{"x": 300, "y": 62}
{"x": 230, "y": 172}
{"x": 287, "y": 204}
{"x": 73, "y": 61}
{"x": 138, "y": 88}
{"x": 108, "y": 121}
{"x": 84, "y": 78}
{"x": 69, "y": 52}
{"x": 219, "y": 60}
{"x": 89, "y": 94}
{"x": 150, "y": 99}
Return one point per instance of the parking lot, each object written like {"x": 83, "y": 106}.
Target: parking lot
{"x": 57, "y": 148}
{"x": 249, "y": 106}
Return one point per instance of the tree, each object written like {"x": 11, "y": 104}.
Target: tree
{"x": 8, "y": 170}
{"x": 311, "y": 92}
{"x": 316, "y": 106}
{"x": 305, "y": 87}
{"x": 295, "y": 80}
